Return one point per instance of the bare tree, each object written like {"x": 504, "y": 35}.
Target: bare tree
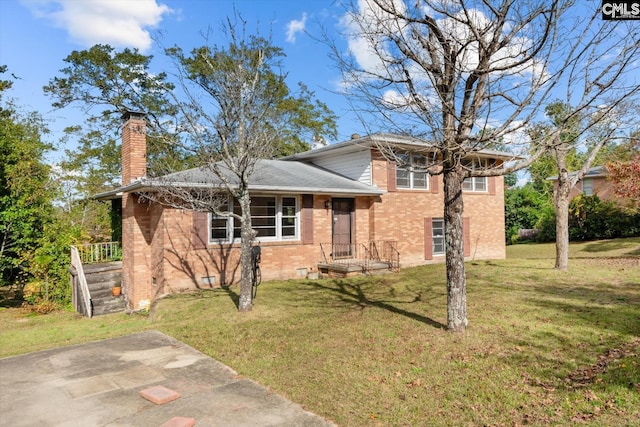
{"x": 234, "y": 108}
{"x": 229, "y": 136}
{"x": 466, "y": 75}
{"x": 583, "y": 136}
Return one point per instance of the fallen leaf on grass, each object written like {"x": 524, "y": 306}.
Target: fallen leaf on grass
{"x": 415, "y": 383}
{"x": 588, "y": 375}
{"x": 590, "y": 395}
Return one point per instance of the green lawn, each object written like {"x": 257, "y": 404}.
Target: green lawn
{"x": 543, "y": 347}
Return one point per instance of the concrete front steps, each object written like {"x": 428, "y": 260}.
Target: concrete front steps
{"x": 354, "y": 268}
{"x": 101, "y": 279}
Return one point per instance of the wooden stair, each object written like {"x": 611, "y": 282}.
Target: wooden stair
{"x": 101, "y": 278}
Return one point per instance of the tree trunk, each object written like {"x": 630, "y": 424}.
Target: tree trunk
{"x": 562, "y": 223}
{"x": 561, "y": 201}
{"x": 456, "y": 278}
{"x": 246, "y": 237}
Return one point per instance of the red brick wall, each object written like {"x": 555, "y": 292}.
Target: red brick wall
{"x": 136, "y": 226}
{"x": 486, "y": 214}
{"x": 400, "y": 215}
{"x": 162, "y": 258}
{"x": 136, "y": 254}
{"x": 397, "y": 215}
{"x": 134, "y": 148}
{"x": 602, "y": 187}
{"x": 184, "y": 266}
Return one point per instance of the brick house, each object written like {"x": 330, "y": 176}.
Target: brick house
{"x": 594, "y": 183}
{"x": 313, "y": 210}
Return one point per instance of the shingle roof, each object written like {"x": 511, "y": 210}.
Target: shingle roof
{"x": 592, "y": 172}
{"x": 272, "y": 176}
{"x": 382, "y": 138}
{"x": 292, "y": 174}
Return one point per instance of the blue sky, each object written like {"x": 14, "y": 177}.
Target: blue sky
{"x": 36, "y": 36}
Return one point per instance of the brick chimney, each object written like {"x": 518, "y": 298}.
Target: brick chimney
{"x": 136, "y": 229}
{"x": 134, "y": 147}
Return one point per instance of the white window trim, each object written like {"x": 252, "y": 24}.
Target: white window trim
{"x": 433, "y": 237}
{"x": 475, "y": 180}
{"x": 590, "y": 187}
{"x": 410, "y": 168}
{"x": 277, "y": 238}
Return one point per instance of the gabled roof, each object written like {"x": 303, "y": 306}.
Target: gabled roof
{"x": 378, "y": 139}
{"x": 594, "y": 172}
{"x": 269, "y": 176}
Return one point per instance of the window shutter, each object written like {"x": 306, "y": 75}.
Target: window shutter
{"x": 200, "y": 233}
{"x": 466, "y": 233}
{"x": 492, "y": 185}
{"x": 391, "y": 176}
{"x": 428, "y": 239}
{"x": 433, "y": 183}
{"x": 307, "y": 219}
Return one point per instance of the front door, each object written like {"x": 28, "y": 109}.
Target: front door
{"x": 342, "y": 227}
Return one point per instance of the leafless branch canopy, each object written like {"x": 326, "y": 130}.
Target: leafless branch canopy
{"x": 226, "y": 105}
{"x": 478, "y": 74}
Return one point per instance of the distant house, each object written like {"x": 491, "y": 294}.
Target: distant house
{"x": 340, "y": 209}
{"x": 594, "y": 183}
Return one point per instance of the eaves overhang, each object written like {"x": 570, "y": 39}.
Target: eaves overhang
{"x": 143, "y": 186}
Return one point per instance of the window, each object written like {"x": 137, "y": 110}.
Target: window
{"x": 437, "y": 227}
{"x": 263, "y": 216}
{"x": 475, "y": 183}
{"x": 411, "y": 171}
{"x": 288, "y": 220}
{"x": 587, "y": 186}
{"x": 218, "y": 229}
{"x": 273, "y": 218}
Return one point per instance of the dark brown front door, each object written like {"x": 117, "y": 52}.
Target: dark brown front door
{"x": 342, "y": 227}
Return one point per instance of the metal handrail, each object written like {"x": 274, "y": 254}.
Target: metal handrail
{"x": 76, "y": 262}
{"x": 392, "y": 255}
{"x": 342, "y": 253}
{"x": 362, "y": 254}
{"x": 325, "y": 260}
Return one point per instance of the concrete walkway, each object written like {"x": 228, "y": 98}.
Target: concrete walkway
{"x": 99, "y": 384}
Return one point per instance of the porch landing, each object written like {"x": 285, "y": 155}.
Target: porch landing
{"x": 369, "y": 258}
{"x": 354, "y": 268}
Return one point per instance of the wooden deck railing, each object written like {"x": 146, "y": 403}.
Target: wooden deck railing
{"x": 94, "y": 253}
{"x": 79, "y": 281}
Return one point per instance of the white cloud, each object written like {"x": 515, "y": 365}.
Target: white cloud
{"x": 394, "y": 99}
{"x": 294, "y": 27}
{"x": 517, "y": 136}
{"x": 398, "y": 101}
{"x": 120, "y": 23}
{"x": 367, "y": 29}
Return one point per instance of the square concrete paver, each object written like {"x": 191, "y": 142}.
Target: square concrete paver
{"x": 180, "y": 422}
{"x": 159, "y": 394}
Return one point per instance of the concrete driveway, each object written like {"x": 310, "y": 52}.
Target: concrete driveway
{"x": 100, "y": 384}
